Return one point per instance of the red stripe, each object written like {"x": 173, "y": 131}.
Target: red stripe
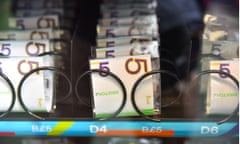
{"x": 7, "y": 134}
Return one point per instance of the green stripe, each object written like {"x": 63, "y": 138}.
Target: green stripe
{"x": 60, "y": 128}
{"x": 36, "y": 111}
{"x": 5, "y": 92}
{"x": 133, "y": 113}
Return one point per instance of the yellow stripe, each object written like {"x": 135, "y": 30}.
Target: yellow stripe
{"x": 101, "y": 43}
{"x": 215, "y": 64}
{"x": 60, "y": 128}
{"x": 101, "y": 51}
{"x": 95, "y": 63}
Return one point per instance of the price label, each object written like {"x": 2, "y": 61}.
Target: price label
{"x": 36, "y": 34}
{"x": 225, "y": 49}
{"x": 129, "y": 50}
{"x": 148, "y": 19}
{"x": 223, "y": 93}
{"x": 106, "y": 13}
{"x": 106, "y": 91}
{"x": 127, "y": 30}
{"x": 36, "y": 95}
{"x": 46, "y": 21}
{"x": 119, "y": 41}
{"x": 24, "y": 47}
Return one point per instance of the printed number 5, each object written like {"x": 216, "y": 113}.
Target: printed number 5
{"x": 5, "y": 49}
{"x": 139, "y": 66}
{"x": 103, "y": 66}
{"x": 216, "y": 49}
{"x": 223, "y": 67}
{"x": 29, "y": 65}
{"x": 20, "y": 24}
{"x": 109, "y": 53}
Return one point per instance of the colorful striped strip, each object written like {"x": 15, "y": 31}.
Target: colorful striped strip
{"x": 60, "y": 128}
{"x": 163, "y": 133}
